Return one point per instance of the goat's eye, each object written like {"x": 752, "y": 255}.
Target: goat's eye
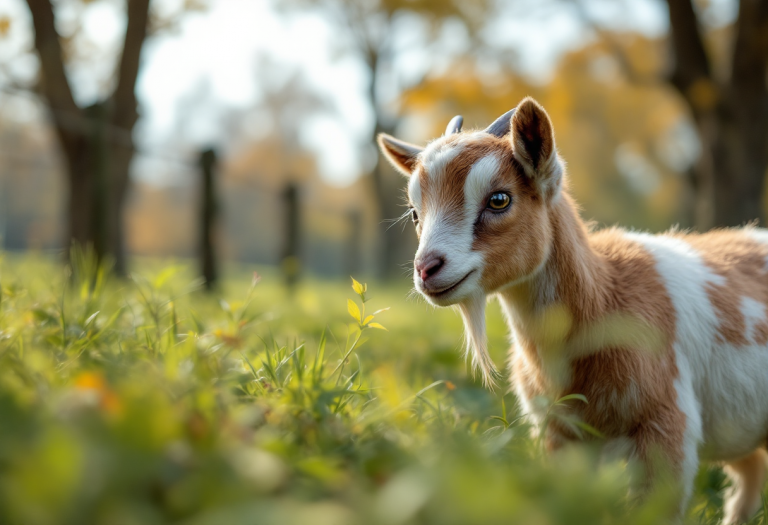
{"x": 414, "y": 216}
{"x": 499, "y": 201}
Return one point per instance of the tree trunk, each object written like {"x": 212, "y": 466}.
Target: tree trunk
{"x": 731, "y": 116}
{"x": 121, "y": 156}
{"x": 124, "y": 114}
{"x": 80, "y": 197}
{"x": 96, "y": 141}
{"x": 739, "y": 161}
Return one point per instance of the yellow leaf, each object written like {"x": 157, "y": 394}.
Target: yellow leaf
{"x": 368, "y": 320}
{"x": 353, "y": 310}
{"x": 357, "y": 287}
{"x": 377, "y": 325}
{"x": 5, "y": 25}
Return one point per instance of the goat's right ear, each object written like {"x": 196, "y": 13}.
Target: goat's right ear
{"x": 401, "y": 155}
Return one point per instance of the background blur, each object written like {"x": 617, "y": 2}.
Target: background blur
{"x": 242, "y": 130}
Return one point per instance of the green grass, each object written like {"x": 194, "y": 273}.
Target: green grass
{"x": 146, "y": 401}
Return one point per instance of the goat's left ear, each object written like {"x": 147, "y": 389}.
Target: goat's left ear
{"x": 401, "y": 155}
{"x": 533, "y": 144}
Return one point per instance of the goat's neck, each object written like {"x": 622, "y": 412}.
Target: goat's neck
{"x": 570, "y": 286}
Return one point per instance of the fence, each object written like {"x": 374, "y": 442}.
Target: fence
{"x": 162, "y": 216}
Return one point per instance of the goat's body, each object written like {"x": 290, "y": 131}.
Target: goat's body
{"x": 666, "y": 336}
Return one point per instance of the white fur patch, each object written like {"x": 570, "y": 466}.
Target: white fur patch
{"x": 439, "y": 153}
{"x": 473, "y": 312}
{"x": 478, "y": 183}
{"x": 759, "y": 235}
{"x": 693, "y": 435}
{"x": 437, "y": 156}
{"x": 754, "y": 314}
{"x": 414, "y": 189}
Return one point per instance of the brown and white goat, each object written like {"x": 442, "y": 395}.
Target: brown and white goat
{"x": 666, "y": 335}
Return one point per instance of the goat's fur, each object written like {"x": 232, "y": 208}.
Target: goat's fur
{"x": 666, "y": 335}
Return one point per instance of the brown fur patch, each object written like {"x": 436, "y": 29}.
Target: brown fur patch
{"x": 516, "y": 241}
{"x": 618, "y": 349}
{"x": 741, "y": 261}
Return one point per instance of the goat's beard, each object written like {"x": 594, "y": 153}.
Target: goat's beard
{"x": 473, "y": 312}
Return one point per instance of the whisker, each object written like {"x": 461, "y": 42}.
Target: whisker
{"x": 414, "y": 295}
{"x": 401, "y": 218}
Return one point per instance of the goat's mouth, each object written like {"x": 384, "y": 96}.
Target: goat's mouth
{"x": 436, "y": 294}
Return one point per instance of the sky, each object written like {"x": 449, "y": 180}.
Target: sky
{"x": 213, "y": 66}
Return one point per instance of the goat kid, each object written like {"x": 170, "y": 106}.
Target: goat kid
{"x": 666, "y": 335}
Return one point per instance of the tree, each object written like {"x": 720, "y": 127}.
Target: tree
{"x": 728, "y": 102}
{"x": 370, "y": 27}
{"x": 96, "y": 141}
{"x": 731, "y": 113}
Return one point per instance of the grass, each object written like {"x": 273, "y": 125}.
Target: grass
{"x": 146, "y": 401}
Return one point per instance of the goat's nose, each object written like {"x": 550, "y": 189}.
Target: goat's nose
{"x": 429, "y": 265}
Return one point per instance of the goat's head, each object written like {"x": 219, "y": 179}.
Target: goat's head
{"x": 479, "y": 201}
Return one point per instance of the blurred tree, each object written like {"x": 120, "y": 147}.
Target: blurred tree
{"x": 731, "y": 113}
{"x": 722, "y": 79}
{"x": 97, "y": 142}
{"x": 370, "y": 28}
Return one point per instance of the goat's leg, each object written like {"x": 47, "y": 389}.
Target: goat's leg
{"x": 748, "y": 477}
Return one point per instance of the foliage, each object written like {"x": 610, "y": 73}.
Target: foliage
{"x": 146, "y": 401}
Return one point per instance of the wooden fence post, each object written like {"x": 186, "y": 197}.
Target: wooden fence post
{"x": 291, "y": 262}
{"x": 208, "y": 213}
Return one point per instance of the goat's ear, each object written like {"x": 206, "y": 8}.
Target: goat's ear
{"x": 533, "y": 143}
{"x": 401, "y": 155}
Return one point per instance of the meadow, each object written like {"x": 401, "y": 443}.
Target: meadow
{"x": 148, "y": 401}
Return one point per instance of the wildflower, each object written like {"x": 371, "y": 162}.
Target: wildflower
{"x": 93, "y": 389}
